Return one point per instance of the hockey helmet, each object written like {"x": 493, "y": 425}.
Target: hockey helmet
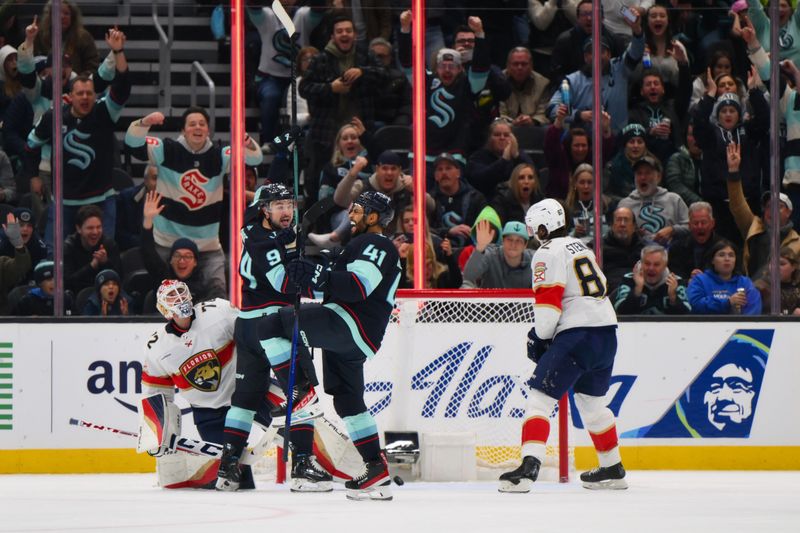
{"x": 548, "y": 213}
{"x": 376, "y": 202}
{"x": 270, "y": 193}
{"x": 174, "y": 300}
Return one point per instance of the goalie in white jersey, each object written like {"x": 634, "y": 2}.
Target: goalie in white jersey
{"x": 195, "y": 353}
{"x": 573, "y": 344}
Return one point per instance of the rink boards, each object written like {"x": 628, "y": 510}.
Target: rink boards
{"x": 688, "y": 395}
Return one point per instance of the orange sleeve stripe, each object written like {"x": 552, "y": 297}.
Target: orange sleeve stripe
{"x": 550, "y": 296}
{"x": 156, "y": 381}
{"x": 226, "y": 353}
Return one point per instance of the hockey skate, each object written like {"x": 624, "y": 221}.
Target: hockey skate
{"x": 308, "y": 476}
{"x": 373, "y": 483}
{"x": 228, "y": 476}
{"x": 306, "y": 407}
{"x": 521, "y": 479}
{"x": 605, "y": 478}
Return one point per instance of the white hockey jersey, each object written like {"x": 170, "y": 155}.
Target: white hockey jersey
{"x": 569, "y": 287}
{"x": 200, "y": 362}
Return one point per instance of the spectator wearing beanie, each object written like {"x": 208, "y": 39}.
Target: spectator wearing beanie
{"x": 183, "y": 259}
{"x": 12, "y": 269}
{"x": 719, "y": 121}
{"x": 39, "y": 300}
{"x": 619, "y": 182}
{"x": 108, "y": 299}
{"x": 30, "y": 237}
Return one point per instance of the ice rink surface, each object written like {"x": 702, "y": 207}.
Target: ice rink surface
{"x": 656, "y": 501}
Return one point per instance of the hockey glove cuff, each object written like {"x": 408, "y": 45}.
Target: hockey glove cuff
{"x": 536, "y": 346}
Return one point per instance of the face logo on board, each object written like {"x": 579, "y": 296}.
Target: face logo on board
{"x": 721, "y": 401}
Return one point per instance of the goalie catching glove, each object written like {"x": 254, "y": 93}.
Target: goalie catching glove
{"x": 159, "y": 425}
{"x": 536, "y": 346}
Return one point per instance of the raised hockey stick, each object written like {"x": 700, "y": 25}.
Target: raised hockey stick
{"x": 188, "y": 445}
{"x": 288, "y": 24}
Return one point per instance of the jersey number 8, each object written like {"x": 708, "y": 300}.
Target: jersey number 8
{"x": 591, "y": 284}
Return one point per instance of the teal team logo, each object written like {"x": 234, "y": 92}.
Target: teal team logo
{"x": 722, "y": 400}
{"x": 6, "y": 376}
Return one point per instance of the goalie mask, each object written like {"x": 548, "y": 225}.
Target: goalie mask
{"x": 548, "y": 213}
{"x": 174, "y": 299}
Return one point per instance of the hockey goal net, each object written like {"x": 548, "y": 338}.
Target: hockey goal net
{"x": 457, "y": 361}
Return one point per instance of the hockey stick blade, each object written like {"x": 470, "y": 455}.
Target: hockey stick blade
{"x": 283, "y": 17}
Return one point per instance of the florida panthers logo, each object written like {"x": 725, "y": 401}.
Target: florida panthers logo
{"x": 203, "y": 371}
{"x": 191, "y": 183}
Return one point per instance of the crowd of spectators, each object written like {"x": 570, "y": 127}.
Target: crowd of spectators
{"x": 684, "y": 211}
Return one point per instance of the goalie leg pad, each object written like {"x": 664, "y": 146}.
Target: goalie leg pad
{"x": 183, "y": 470}
{"x": 334, "y": 450}
{"x": 159, "y": 425}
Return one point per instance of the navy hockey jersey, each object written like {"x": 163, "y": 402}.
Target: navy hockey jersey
{"x": 361, "y": 288}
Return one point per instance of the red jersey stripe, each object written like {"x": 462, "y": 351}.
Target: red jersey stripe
{"x": 550, "y": 295}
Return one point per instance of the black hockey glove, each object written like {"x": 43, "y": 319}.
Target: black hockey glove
{"x": 536, "y": 346}
{"x": 305, "y": 274}
{"x": 286, "y": 236}
{"x": 287, "y": 140}
{"x": 328, "y": 257}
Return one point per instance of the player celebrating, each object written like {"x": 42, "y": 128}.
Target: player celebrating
{"x": 265, "y": 289}
{"x": 573, "y": 344}
{"x": 194, "y": 352}
{"x": 349, "y": 325}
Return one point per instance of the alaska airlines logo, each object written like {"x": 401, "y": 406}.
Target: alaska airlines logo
{"x": 458, "y": 384}
{"x": 191, "y": 183}
{"x": 721, "y": 401}
{"x": 203, "y": 371}
{"x": 83, "y": 154}
{"x": 652, "y": 218}
{"x": 444, "y": 111}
